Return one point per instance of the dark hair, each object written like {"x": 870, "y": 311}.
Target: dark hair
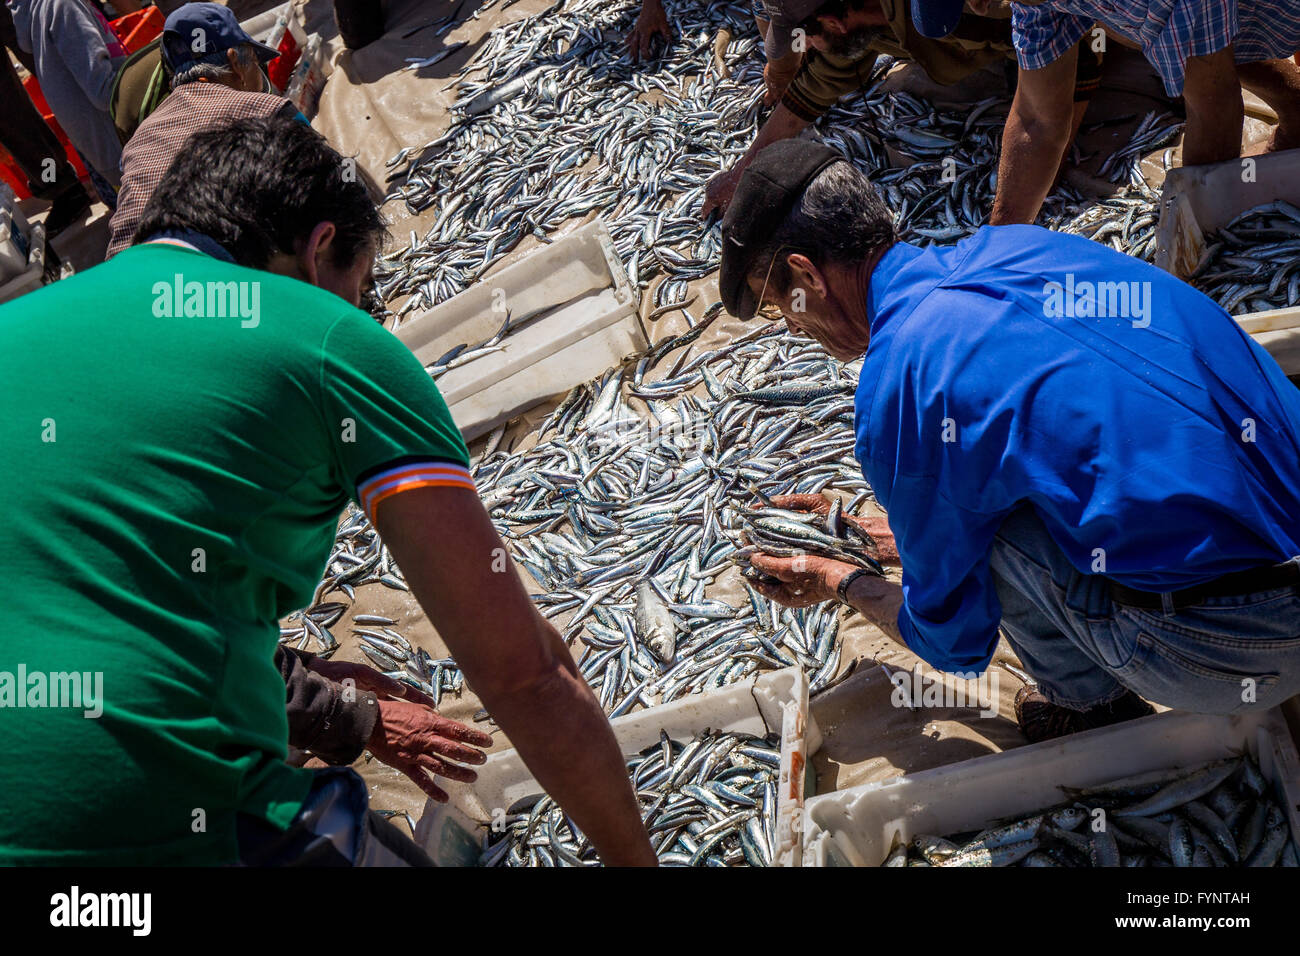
{"x": 258, "y": 186}
{"x": 839, "y": 9}
{"x": 840, "y": 218}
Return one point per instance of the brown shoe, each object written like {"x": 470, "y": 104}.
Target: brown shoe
{"x": 1040, "y": 719}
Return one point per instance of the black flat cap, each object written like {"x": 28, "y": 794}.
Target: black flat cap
{"x": 767, "y": 192}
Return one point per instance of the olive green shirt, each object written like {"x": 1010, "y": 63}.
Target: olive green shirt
{"x": 824, "y": 78}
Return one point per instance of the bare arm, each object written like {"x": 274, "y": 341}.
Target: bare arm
{"x": 516, "y": 662}
{"x": 1215, "y": 112}
{"x": 777, "y": 75}
{"x": 1036, "y": 135}
{"x": 782, "y": 124}
{"x": 879, "y": 601}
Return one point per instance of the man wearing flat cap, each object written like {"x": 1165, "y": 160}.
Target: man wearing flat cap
{"x": 218, "y": 77}
{"x": 1070, "y": 444}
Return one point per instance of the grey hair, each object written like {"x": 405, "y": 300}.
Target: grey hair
{"x": 217, "y": 72}
{"x": 840, "y": 218}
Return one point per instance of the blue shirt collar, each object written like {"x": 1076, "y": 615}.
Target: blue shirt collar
{"x": 204, "y": 244}
{"x": 884, "y": 276}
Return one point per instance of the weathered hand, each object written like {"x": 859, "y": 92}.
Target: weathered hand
{"x": 875, "y": 525}
{"x": 801, "y": 581}
{"x": 818, "y": 504}
{"x": 650, "y": 23}
{"x": 418, "y": 741}
{"x": 878, "y": 527}
{"x": 719, "y": 190}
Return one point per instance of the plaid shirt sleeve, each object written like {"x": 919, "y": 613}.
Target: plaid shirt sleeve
{"x": 1042, "y": 34}
{"x": 1193, "y": 28}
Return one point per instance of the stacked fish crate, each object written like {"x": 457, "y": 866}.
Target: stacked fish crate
{"x": 721, "y": 778}
{"x": 1170, "y": 789}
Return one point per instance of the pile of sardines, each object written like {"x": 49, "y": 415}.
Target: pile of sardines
{"x": 635, "y": 511}
{"x": 1220, "y": 815}
{"x": 708, "y": 802}
{"x": 638, "y": 504}
{"x": 636, "y": 493}
{"x": 554, "y": 123}
{"x": 1252, "y": 264}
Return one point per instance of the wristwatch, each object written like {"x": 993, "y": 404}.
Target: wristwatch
{"x": 846, "y": 582}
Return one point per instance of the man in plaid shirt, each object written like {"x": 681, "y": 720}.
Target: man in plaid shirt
{"x": 1205, "y": 50}
{"x": 220, "y": 82}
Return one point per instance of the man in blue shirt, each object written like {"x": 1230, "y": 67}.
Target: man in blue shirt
{"x": 1069, "y": 443}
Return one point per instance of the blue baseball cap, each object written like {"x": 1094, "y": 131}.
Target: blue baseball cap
{"x": 936, "y": 18}
{"x": 202, "y": 33}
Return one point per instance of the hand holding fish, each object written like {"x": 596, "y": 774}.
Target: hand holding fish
{"x": 816, "y": 503}
{"x": 877, "y": 526}
{"x": 802, "y": 580}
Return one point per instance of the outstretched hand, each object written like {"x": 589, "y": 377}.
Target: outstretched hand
{"x": 410, "y": 735}
{"x": 420, "y": 742}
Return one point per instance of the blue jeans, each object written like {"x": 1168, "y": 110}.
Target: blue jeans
{"x": 1226, "y": 654}
{"x": 334, "y": 827}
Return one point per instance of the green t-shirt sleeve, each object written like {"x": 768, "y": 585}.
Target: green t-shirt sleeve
{"x": 387, "y": 423}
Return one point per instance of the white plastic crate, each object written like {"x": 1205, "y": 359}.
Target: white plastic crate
{"x": 857, "y": 827}
{"x": 452, "y": 833}
{"x": 1197, "y": 200}
{"x": 12, "y": 285}
{"x": 586, "y": 323}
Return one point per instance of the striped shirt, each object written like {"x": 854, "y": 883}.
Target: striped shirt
{"x": 187, "y": 110}
{"x": 1168, "y": 31}
{"x": 407, "y": 475}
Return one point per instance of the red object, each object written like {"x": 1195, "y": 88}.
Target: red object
{"x": 12, "y": 175}
{"x": 138, "y": 29}
{"x": 135, "y": 30}
{"x": 281, "y": 68}
{"x": 38, "y": 99}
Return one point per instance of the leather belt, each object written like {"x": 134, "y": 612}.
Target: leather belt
{"x": 1250, "y": 581}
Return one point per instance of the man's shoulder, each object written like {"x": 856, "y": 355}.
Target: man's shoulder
{"x": 222, "y": 102}
{"x": 295, "y": 302}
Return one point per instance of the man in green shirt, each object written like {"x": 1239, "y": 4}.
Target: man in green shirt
{"x": 183, "y": 426}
